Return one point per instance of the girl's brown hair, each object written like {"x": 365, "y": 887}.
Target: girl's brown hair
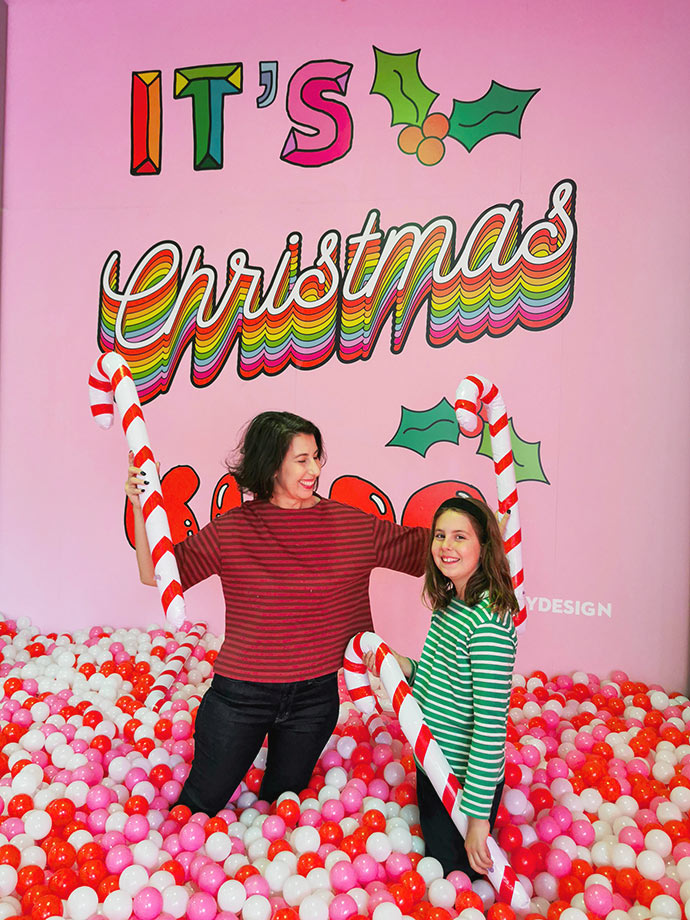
{"x": 492, "y": 573}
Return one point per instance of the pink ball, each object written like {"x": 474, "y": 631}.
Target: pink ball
{"x": 257, "y": 884}
{"x": 382, "y": 754}
{"x": 147, "y": 904}
{"x": 181, "y": 730}
{"x": 310, "y": 817}
{"x": 380, "y": 789}
{"x": 211, "y": 877}
{"x": 556, "y": 767}
{"x": 351, "y": 799}
{"x": 333, "y": 810}
{"x": 396, "y": 865}
{"x": 562, "y": 816}
{"x": 192, "y": 836}
{"x": 273, "y": 828}
{"x": 558, "y": 863}
{"x": 633, "y": 836}
{"x": 331, "y": 759}
{"x": 118, "y": 858}
{"x": 530, "y": 755}
{"x": 460, "y": 880}
{"x": 201, "y": 906}
{"x": 365, "y": 867}
{"x": 134, "y": 776}
{"x": 197, "y": 864}
{"x": 582, "y": 833}
{"x": 671, "y": 887}
{"x": 598, "y": 899}
{"x": 343, "y": 876}
{"x": 342, "y": 907}
{"x": 378, "y": 897}
{"x": 136, "y": 828}
{"x": 547, "y": 829}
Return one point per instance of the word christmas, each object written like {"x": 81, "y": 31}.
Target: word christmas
{"x": 501, "y": 277}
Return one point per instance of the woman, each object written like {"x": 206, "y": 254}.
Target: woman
{"x": 294, "y": 569}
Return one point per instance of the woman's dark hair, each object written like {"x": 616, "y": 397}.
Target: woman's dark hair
{"x": 492, "y": 574}
{"x": 263, "y": 447}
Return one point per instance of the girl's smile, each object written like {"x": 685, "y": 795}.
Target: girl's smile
{"x": 456, "y": 548}
{"x": 296, "y": 479}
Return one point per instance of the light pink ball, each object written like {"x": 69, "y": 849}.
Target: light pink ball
{"x": 147, "y": 904}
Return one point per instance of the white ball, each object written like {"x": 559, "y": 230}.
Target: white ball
{"x": 665, "y": 906}
{"x": 658, "y": 841}
{"x": 175, "y": 899}
{"x": 386, "y": 911}
{"x": 430, "y": 869}
{"x": 442, "y": 893}
{"x": 277, "y": 873}
{"x": 650, "y": 865}
{"x": 8, "y": 880}
{"x": 82, "y": 903}
{"x": 313, "y": 908}
{"x": 133, "y": 879}
{"x": 117, "y": 906}
{"x": 37, "y": 823}
{"x": 623, "y": 856}
{"x": 218, "y": 846}
{"x": 295, "y": 890}
{"x": 256, "y": 907}
{"x": 379, "y": 846}
{"x": 146, "y": 854}
{"x": 305, "y": 840}
{"x": 231, "y": 896}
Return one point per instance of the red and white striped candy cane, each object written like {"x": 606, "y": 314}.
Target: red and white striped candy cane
{"x": 427, "y": 751}
{"x": 471, "y": 392}
{"x": 173, "y": 667}
{"x": 111, "y": 378}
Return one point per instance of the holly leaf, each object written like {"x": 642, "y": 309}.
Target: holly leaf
{"x": 417, "y": 431}
{"x": 499, "y": 111}
{"x": 397, "y": 79}
{"x": 525, "y": 455}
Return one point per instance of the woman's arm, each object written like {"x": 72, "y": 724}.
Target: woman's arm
{"x": 133, "y": 486}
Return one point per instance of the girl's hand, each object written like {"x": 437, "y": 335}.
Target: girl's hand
{"x": 475, "y": 845}
{"x": 502, "y": 520}
{"x": 404, "y": 663}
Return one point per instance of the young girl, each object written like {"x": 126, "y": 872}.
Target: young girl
{"x": 462, "y": 681}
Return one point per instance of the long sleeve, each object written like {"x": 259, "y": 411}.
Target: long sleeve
{"x": 402, "y": 549}
{"x": 198, "y": 556}
{"x": 491, "y": 651}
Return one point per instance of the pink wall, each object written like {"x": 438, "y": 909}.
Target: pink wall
{"x": 603, "y": 390}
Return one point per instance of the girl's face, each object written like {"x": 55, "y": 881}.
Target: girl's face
{"x": 456, "y": 548}
{"x": 296, "y": 478}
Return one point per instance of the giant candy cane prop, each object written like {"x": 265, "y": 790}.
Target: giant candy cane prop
{"x": 471, "y": 392}
{"x": 111, "y": 377}
{"x": 173, "y": 667}
{"x": 428, "y": 753}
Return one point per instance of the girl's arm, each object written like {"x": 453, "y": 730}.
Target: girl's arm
{"x": 133, "y": 486}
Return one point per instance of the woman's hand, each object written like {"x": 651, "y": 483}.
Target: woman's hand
{"x": 134, "y": 484}
{"x": 476, "y": 846}
{"x": 369, "y": 659}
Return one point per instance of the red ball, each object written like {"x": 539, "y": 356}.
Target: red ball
{"x": 500, "y": 911}
{"x": 49, "y": 905}
{"x": 402, "y": 896}
{"x": 62, "y": 811}
{"x": 523, "y": 861}
{"x": 405, "y": 794}
{"x": 510, "y": 838}
{"x": 18, "y": 805}
{"x": 175, "y": 869}
{"x": 92, "y": 872}
{"x": 307, "y": 862}
{"x": 331, "y": 832}
{"x": 63, "y": 882}
{"x": 61, "y": 855}
{"x": 374, "y": 819}
{"x": 289, "y": 811}
{"x": 467, "y": 899}
{"x": 415, "y": 883}
{"x": 91, "y": 850}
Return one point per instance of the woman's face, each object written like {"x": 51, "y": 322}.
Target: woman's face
{"x": 296, "y": 478}
{"x": 456, "y": 548}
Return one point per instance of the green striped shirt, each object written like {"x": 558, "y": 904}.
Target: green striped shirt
{"x": 462, "y": 684}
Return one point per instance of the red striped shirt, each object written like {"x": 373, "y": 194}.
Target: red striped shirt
{"x": 295, "y": 582}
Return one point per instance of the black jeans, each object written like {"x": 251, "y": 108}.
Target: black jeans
{"x": 443, "y": 840}
{"x": 233, "y": 719}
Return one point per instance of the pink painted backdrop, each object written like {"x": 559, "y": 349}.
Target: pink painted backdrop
{"x": 604, "y": 391}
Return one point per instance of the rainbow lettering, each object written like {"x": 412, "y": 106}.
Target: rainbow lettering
{"x": 500, "y": 278}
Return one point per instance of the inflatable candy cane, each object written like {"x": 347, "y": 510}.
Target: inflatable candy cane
{"x": 472, "y": 391}
{"x": 428, "y": 753}
{"x": 173, "y": 667}
{"x": 111, "y": 377}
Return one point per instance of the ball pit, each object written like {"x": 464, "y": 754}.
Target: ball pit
{"x": 594, "y": 816}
